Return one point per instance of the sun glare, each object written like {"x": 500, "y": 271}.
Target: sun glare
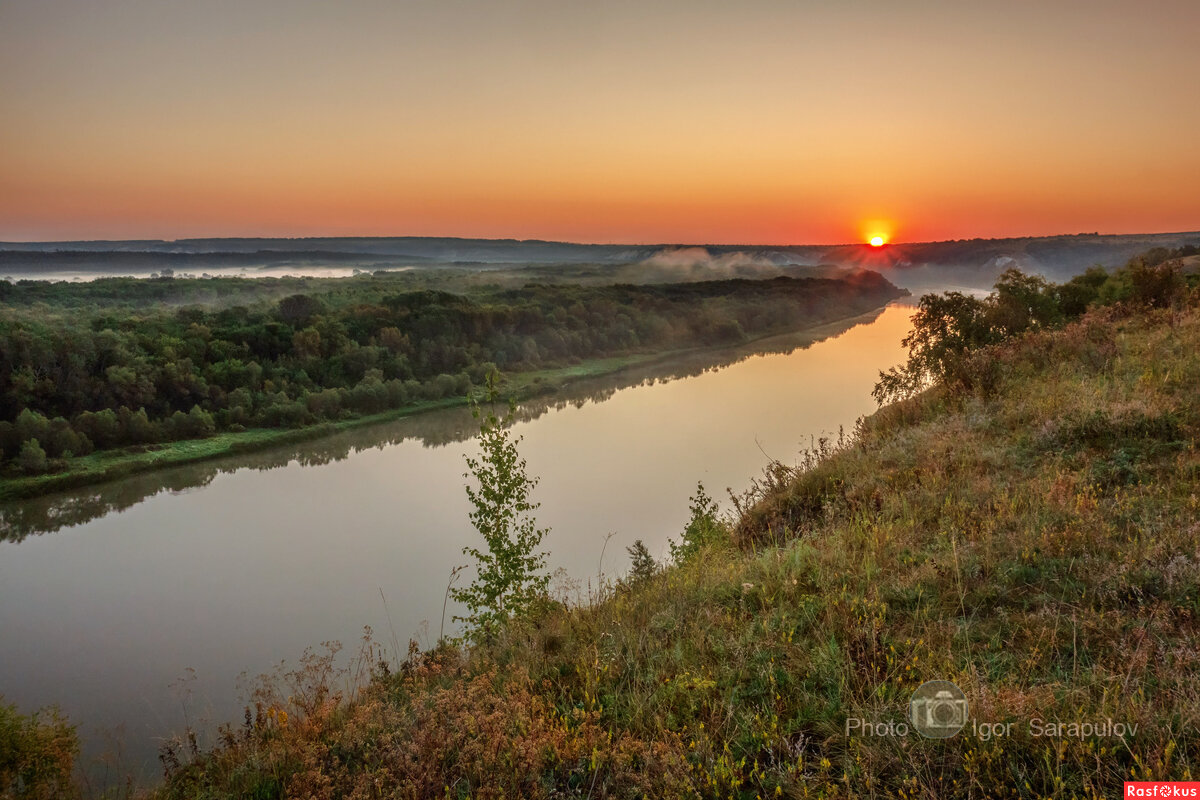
{"x": 876, "y": 241}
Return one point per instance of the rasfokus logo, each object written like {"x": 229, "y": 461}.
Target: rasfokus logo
{"x": 938, "y": 709}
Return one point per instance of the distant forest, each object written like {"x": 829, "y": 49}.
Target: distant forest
{"x": 130, "y": 363}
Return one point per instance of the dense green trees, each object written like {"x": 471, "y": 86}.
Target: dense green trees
{"x": 82, "y": 377}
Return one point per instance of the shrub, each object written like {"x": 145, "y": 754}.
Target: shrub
{"x": 1020, "y": 302}
{"x": 32, "y": 458}
{"x": 945, "y": 328}
{"x": 200, "y": 423}
{"x": 37, "y": 753}
{"x": 1077, "y": 294}
{"x": 1157, "y": 286}
{"x": 703, "y": 528}
{"x": 643, "y": 566}
{"x": 1148, "y": 280}
{"x": 510, "y": 575}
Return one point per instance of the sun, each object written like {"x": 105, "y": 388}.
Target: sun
{"x": 876, "y": 232}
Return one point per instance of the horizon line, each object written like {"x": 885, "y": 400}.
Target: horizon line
{"x": 592, "y": 243}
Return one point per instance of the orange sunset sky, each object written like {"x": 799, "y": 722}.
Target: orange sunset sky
{"x": 678, "y": 121}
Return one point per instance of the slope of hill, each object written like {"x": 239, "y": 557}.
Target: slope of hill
{"x": 1037, "y": 543}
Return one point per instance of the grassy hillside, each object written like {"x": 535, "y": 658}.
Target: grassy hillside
{"x": 1037, "y": 542}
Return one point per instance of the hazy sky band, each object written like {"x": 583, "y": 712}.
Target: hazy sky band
{"x": 637, "y": 122}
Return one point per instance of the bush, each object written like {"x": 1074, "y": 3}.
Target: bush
{"x": 37, "y": 753}
{"x": 510, "y": 577}
{"x": 200, "y": 423}
{"x": 1077, "y": 294}
{"x": 1020, "y": 302}
{"x": 32, "y": 458}
{"x": 1147, "y": 280}
{"x": 945, "y": 328}
{"x": 643, "y": 566}
{"x": 703, "y": 528}
{"x": 1158, "y": 286}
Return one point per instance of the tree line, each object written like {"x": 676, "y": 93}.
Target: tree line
{"x": 76, "y": 378}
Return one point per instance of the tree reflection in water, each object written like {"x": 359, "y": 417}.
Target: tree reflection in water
{"x": 20, "y": 519}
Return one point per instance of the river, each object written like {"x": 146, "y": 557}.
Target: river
{"x": 134, "y": 606}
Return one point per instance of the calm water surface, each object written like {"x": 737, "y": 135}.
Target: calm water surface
{"x": 108, "y": 597}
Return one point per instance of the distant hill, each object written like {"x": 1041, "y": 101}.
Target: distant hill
{"x": 973, "y": 263}
{"x": 445, "y": 250}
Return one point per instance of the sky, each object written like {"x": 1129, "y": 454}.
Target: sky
{"x": 762, "y": 121}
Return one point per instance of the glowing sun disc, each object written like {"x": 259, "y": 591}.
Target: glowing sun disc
{"x": 876, "y": 241}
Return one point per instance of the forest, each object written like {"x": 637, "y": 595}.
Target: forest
{"x": 134, "y": 363}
